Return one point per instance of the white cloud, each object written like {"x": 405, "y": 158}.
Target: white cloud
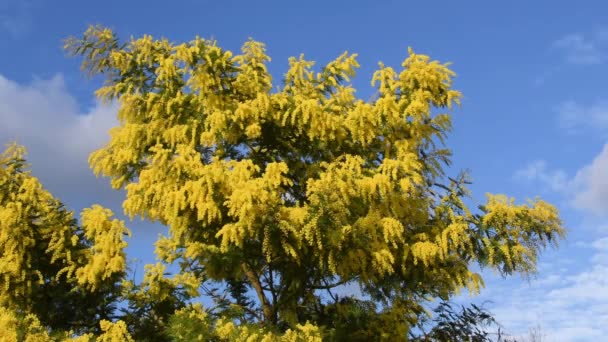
{"x": 59, "y": 137}
{"x": 45, "y": 118}
{"x": 583, "y": 49}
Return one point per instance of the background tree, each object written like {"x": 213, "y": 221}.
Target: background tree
{"x": 55, "y": 272}
{"x": 473, "y": 323}
{"x": 297, "y": 191}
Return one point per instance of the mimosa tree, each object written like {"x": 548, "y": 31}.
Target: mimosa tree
{"x": 283, "y": 201}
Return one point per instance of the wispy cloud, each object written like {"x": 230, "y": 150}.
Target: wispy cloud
{"x": 586, "y": 190}
{"x": 584, "y": 49}
{"x": 576, "y": 49}
{"x": 537, "y": 171}
{"x": 580, "y": 49}
{"x": 16, "y": 16}
{"x": 576, "y": 118}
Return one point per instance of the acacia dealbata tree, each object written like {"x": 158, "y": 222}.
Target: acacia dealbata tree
{"x": 301, "y": 211}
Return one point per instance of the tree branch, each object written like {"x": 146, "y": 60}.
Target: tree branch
{"x": 257, "y": 286}
{"x": 330, "y": 286}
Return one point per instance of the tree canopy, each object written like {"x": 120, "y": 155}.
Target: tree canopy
{"x": 303, "y": 212}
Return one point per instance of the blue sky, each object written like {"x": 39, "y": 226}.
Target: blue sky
{"x": 534, "y": 119}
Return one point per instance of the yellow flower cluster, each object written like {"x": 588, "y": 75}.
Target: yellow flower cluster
{"x": 306, "y": 174}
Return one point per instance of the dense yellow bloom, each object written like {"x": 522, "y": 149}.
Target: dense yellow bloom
{"x": 106, "y": 256}
{"x": 228, "y": 331}
{"x": 290, "y": 190}
{"x": 114, "y": 332}
{"x": 27, "y": 329}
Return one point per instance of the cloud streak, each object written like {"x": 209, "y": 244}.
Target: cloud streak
{"x": 578, "y": 49}
{"x": 583, "y": 49}
{"x": 537, "y": 171}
